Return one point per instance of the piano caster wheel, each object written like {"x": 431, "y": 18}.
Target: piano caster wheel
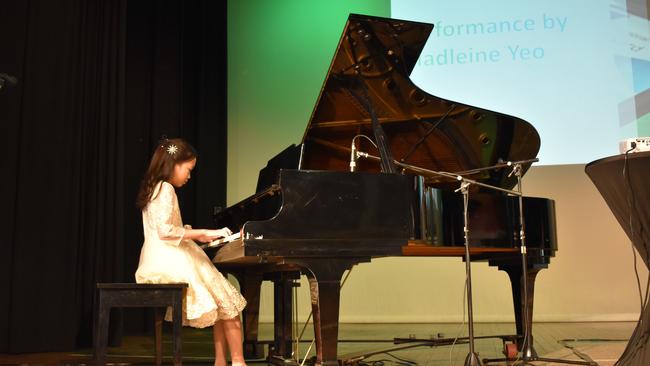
{"x": 510, "y": 350}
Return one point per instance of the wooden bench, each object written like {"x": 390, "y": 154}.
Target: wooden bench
{"x": 158, "y": 296}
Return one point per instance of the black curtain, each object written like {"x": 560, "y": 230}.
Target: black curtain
{"x": 99, "y": 82}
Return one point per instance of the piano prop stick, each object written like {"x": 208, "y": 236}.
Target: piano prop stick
{"x": 623, "y": 181}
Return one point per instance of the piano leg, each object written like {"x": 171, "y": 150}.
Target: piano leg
{"x": 325, "y": 288}
{"x": 282, "y": 313}
{"x": 515, "y": 273}
{"x": 250, "y": 281}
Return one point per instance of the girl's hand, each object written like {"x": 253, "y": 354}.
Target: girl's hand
{"x": 206, "y": 236}
{"x": 224, "y": 231}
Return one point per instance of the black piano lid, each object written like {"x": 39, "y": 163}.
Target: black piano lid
{"x": 381, "y": 53}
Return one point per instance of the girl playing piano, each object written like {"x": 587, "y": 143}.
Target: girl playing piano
{"x": 170, "y": 255}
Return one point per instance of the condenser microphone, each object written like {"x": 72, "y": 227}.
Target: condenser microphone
{"x": 353, "y": 157}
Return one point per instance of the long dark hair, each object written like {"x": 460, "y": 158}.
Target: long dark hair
{"x": 167, "y": 154}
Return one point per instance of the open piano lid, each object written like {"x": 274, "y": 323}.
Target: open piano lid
{"x": 373, "y": 60}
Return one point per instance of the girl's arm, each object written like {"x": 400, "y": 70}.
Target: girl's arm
{"x": 206, "y": 235}
{"x": 162, "y": 211}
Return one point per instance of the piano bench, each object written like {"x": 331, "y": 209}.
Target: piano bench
{"x": 157, "y": 296}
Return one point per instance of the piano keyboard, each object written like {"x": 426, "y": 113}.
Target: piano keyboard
{"x": 222, "y": 241}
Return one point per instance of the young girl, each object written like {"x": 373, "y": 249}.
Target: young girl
{"x": 170, "y": 255}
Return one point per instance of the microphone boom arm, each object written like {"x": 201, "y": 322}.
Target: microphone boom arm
{"x": 454, "y": 176}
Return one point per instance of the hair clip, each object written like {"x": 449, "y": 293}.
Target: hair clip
{"x": 172, "y": 149}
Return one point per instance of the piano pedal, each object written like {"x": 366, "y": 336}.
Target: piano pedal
{"x": 510, "y": 350}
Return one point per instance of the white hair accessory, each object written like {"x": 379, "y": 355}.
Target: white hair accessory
{"x": 172, "y": 149}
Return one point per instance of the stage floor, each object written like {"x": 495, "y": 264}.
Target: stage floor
{"x": 602, "y": 342}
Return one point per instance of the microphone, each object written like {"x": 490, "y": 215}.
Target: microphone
{"x": 353, "y": 156}
{"x": 8, "y": 80}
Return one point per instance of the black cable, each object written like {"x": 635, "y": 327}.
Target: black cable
{"x": 383, "y": 362}
{"x": 583, "y": 356}
{"x": 562, "y": 341}
{"x": 402, "y": 359}
{"x": 374, "y": 363}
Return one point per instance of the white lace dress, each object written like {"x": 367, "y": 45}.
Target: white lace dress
{"x": 165, "y": 258}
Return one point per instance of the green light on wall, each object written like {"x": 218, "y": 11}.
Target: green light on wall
{"x": 278, "y": 55}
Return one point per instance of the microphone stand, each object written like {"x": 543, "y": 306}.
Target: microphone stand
{"x": 472, "y": 357}
{"x": 527, "y": 349}
{"x": 528, "y": 353}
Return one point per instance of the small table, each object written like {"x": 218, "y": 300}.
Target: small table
{"x": 624, "y": 183}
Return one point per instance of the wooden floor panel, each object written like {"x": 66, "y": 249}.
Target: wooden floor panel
{"x": 601, "y": 341}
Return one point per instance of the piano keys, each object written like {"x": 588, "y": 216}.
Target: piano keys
{"x": 311, "y": 215}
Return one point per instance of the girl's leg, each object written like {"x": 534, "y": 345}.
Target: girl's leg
{"x": 219, "y": 344}
{"x": 232, "y": 330}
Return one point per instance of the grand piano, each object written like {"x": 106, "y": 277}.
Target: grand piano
{"x": 311, "y": 215}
